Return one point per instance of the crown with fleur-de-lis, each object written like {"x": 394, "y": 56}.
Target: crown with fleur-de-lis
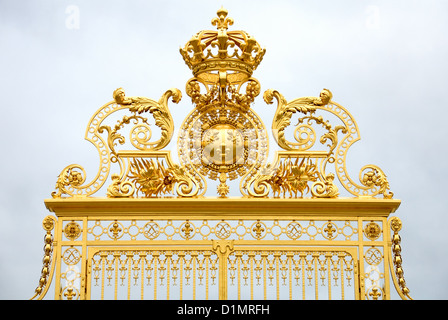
{"x": 210, "y": 51}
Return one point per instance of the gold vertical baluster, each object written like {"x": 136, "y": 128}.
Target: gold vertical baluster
{"x": 289, "y": 255}
{"x": 193, "y": 257}
{"x": 206, "y": 257}
{"x": 142, "y": 258}
{"x": 328, "y": 256}
{"x": 264, "y": 257}
{"x": 303, "y": 257}
{"x": 155, "y": 259}
{"x": 250, "y": 257}
{"x": 168, "y": 260}
{"x": 116, "y": 255}
{"x": 277, "y": 257}
{"x": 238, "y": 257}
{"x": 316, "y": 276}
{"x": 181, "y": 275}
{"x": 341, "y": 257}
{"x": 149, "y": 268}
{"x": 129, "y": 257}
{"x": 103, "y": 264}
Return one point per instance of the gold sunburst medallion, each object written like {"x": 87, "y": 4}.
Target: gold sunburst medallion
{"x": 222, "y": 140}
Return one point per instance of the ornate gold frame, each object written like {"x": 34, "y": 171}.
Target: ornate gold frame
{"x": 222, "y": 140}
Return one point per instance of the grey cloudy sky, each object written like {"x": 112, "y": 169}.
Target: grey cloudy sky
{"x": 385, "y": 61}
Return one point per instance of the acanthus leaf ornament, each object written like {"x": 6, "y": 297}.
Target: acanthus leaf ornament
{"x": 325, "y": 188}
{"x": 285, "y": 110}
{"x": 375, "y": 178}
{"x": 159, "y": 111}
{"x": 120, "y": 189}
{"x": 69, "y": 179}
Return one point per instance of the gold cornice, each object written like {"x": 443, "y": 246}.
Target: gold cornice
{"x": 229, "y": 208}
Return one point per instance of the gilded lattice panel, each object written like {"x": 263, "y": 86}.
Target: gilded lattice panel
{"x": 304, "y": 230}
{"x": 154, "y": 274}
{"x": 272, "y": 273}
{"x": 297, "y": 274}
{"x": 374, "y": 273}
{"x": 70, "y": 272}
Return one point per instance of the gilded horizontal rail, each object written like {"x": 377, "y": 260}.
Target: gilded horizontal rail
{"x": 228, "y": 208}
{"x": 258, "y": 244}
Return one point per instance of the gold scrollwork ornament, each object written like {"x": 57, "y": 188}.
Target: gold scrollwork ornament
{"x": 158, "y": 109}
{"x": 71, "y": 256}
{"x": 325, "y": 189}
{"x": 69, "y": 178}
{"x": 373, "y": 256}
{"x": 373, "y": 177}
{"x": 285, "y": 110}
{"x": 120, "y": 189}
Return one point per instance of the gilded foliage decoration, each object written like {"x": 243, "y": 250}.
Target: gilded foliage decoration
{"x": 152, "y": 178}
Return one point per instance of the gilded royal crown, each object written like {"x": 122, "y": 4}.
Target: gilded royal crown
{"x": 210, "y": 51}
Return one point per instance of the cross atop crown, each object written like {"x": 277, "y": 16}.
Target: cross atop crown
{"x": 211, "y": 51}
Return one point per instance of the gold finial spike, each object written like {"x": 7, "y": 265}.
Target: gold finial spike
{"x": 222, "y": 12}
{"x": 222, "y": 22}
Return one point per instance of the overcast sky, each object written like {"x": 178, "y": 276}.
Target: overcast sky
{"x": 385, "y": 61}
